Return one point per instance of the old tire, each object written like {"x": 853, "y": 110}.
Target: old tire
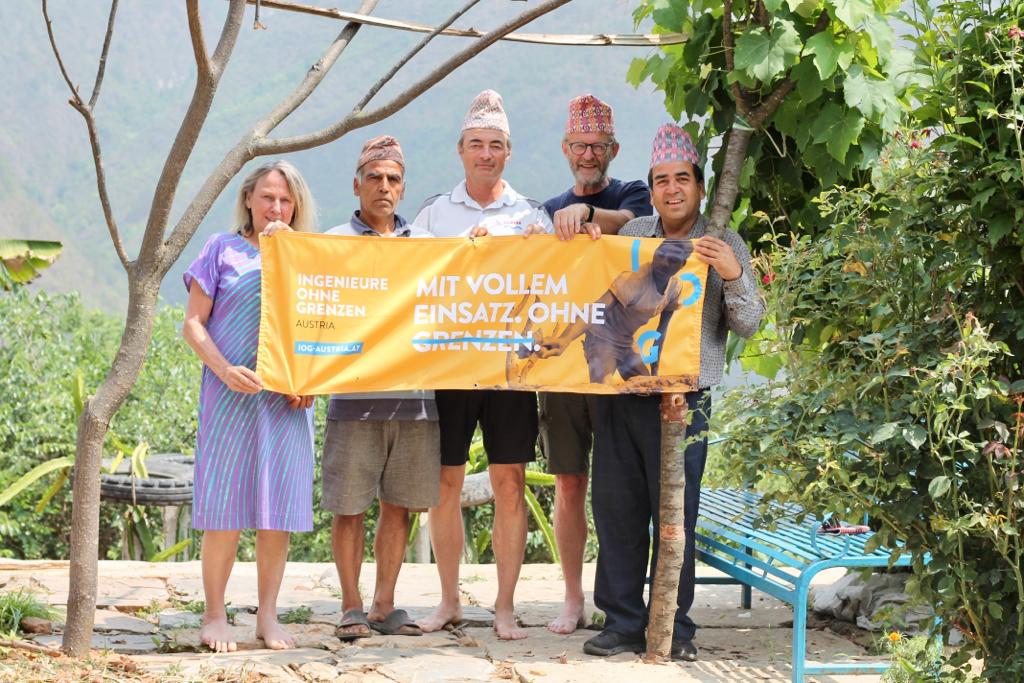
{"x": 169, "y": 481}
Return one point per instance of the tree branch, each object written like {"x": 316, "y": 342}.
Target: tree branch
{"x": 412, "y": 53}
{"x": 742, "y": 106}
{"x": 313, "y": 77}
{"x": 56, "y": 53}
{"x": 101, "y": 187}
{"x": 103, "y": 56}
{"x": 762, "y": 15}
{"x": 357, "y": 119}
{"x": 151, "y": 254}
{"x": 195, "y": 32}
{"x": 90, "y": 123}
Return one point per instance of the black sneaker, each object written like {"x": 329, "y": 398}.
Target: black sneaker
{"x": 684, "y": 650}
{"x": 608, "y": 643}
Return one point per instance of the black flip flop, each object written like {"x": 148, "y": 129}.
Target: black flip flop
{"x": 394, "y": 623}
{"x": 353, "y": 617}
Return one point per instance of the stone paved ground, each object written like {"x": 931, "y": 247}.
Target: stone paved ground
{"x": 143, "y": 611}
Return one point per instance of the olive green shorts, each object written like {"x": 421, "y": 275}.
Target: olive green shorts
{"x": 566, "y": 432}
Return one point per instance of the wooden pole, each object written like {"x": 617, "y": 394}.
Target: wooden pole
{"x": 671, "y": 531}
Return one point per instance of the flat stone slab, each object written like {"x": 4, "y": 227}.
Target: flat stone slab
{"x": 422, "y": 665}
{"x": 306, "y": 636}
{"x": 275, "y": 664}
{"x": 123, "y": 643}
{"x": 177, "y": 618}
{"x": 107, "y": 620}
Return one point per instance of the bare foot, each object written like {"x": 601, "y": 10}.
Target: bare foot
{"x": 570, "y": 619}
{"x": 506, "y": 627}
{"x": 274, "y": 636}
{"x": 217, "y": 634}
{"x": 441, "y": 617}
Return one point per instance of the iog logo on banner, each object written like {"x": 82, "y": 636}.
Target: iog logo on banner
{"x": 305, "y": 348}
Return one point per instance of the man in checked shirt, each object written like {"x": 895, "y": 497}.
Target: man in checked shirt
{"x": 627, "y": 427}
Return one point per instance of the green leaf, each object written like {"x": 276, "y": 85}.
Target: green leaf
{"x": 33, "y": 475}
{"x": 915, "y": 435}
{"x": 764, "y": 56}
{"x": 804, "y": 8}
{"x": 772, "y": 5}
{"x": 53, "y": 490}
{"x": 938, "y": 486}
{"x": 172, "y": 551}
{"x": 826, "y": 53}
{"x": 885, "y": 432}
{"x": 837, "y": 129}
{"x": 542, "y": 523}
{"x": 870, "y": 95}
{"x": 635, "y": 75}
{"x": 670, "y": 15}
{"x": 999, "y": 227}
{"x": 808, "y": 83}
{"x": 21, "y": 260}
{"x": 881, "y": 35}
{"x": 852, "y": 12}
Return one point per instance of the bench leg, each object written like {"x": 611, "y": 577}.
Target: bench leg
{"x": 745, "y": 597}
{"x": 799, "y": 636}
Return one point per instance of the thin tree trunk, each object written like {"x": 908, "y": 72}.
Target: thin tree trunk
{"x": 671, "y": 531}
{"x": 727, "y": 185}
{"x": 92, "y": 429}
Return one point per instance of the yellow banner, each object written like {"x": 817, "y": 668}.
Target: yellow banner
{"x": 347, "y": 314}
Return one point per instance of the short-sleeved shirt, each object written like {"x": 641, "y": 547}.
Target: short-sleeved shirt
{"x": 381, "y": 405}
{"x": 632, "y": 196}
{"x": 454, "y": 213}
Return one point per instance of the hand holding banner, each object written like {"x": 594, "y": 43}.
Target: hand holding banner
{"x": 346, "y": 314}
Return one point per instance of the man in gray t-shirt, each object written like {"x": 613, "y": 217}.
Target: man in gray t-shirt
{"x": 382, "y": 445}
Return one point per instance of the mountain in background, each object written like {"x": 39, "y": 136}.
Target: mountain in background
{"x": 47, "y": 183}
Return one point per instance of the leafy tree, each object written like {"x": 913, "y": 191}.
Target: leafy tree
{"x": 802, "y": 93}
{"x": 898, "y": 330}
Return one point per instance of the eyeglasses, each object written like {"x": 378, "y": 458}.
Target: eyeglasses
{"x": 598, "y": 148}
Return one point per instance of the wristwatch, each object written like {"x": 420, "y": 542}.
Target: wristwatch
{"x": 590, "y": 213}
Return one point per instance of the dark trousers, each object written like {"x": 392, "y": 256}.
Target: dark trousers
{"x": 625, "y": 493}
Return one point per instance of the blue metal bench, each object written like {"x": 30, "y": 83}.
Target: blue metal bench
{"x": 779, "y": 561}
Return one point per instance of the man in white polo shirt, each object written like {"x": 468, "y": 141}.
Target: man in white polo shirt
{"x": 483, "y": 204}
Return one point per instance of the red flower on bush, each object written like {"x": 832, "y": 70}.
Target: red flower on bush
{"x": 1015, "y": 33}
{"x": 915, "y": 144}
{"x": 767, "y": 278}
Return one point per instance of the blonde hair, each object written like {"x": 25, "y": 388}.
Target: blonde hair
{"x": 304, "y": 215}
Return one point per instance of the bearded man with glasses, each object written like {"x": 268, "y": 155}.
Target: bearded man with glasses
{"x": 596, "y": 204}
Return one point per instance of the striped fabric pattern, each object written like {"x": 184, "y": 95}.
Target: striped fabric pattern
{"x": 254, "y": 454}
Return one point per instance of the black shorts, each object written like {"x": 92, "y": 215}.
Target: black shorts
{"x": 508, "y": 420}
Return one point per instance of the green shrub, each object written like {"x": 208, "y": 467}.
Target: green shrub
{"x": 15, "y": 605}
{"x": 45, "y": 341}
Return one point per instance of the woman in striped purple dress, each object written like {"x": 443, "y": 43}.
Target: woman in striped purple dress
{"x": 254, "y": 450}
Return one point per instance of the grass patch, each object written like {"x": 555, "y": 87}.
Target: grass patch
{"x": 298, "y": 615}
{"x": 15, "y": 605}
{"x": 193, "y": 606}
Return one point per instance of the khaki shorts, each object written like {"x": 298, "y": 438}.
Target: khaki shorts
{"x": 398, "y": 461}
{"x": 566, "y": 431}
